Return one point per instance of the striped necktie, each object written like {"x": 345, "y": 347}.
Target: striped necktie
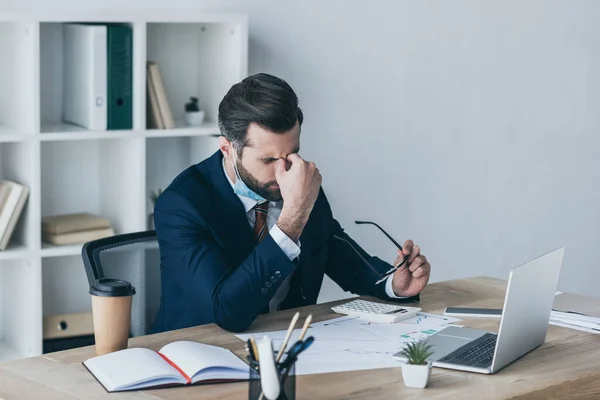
{"x": 260, "y": 226}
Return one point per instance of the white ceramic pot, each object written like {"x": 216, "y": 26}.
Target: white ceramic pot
{"x": 194, "y": 118}
{"x": 416, "y": 376}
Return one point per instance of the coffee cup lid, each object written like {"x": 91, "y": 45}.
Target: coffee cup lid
{"x": 109, "y": 287}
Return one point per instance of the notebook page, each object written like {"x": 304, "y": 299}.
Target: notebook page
{"x": 122, "y": 369}
{"x": 196, "y": 358}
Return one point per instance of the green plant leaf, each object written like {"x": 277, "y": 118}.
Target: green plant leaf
{"x": 417, "y": 353}
{"x": 155, "y": 194}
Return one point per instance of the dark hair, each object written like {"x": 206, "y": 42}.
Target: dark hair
{"x": 262, "y": 99}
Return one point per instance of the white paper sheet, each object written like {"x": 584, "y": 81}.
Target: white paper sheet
{"x": 576, "y": 327}
{"x": 349, "y": 343}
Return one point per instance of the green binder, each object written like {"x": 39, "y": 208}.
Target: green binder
{"x": 120, "y": 79}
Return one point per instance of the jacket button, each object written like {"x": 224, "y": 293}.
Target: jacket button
{"x": 264, "y": 290}
{"x": 278, "y": 274}
{"x": 268, "y": 284}
{"x": 273, "y": 279}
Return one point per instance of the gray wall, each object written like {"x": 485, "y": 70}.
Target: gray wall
{"x": 469, "y": 126}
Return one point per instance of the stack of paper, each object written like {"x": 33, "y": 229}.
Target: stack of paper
{"x": 580, "y": 322}
{"x": 575, "y": 312}
{"x": 349, "y": 343}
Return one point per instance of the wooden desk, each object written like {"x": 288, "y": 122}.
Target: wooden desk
{"x": 567, "y": 365}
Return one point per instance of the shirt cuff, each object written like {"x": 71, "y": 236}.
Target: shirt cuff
{"x": 291, "y": 249}
{"x": 389, "y": 290}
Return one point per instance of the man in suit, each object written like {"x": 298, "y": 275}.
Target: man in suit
{"x": 249, "y": 230}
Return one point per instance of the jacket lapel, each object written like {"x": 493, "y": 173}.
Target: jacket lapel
{"x": 232, "y": 230}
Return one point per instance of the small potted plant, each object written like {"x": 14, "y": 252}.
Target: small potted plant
{"x": 417, "y": 369}
{"x": 153, "y": 197}
{"x": 193, "y": 115}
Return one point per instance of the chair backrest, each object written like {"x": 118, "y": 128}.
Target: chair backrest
{"x": 133, "y": 257}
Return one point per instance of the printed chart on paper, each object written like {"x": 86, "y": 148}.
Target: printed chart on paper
{"x": 349, "y": 343}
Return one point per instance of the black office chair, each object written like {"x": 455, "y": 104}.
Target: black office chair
{"x": 133, "y": 257}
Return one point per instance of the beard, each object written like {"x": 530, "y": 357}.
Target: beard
{"x": 264, "y": 190}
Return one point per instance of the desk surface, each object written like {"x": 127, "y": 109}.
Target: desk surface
{"x": 567, "y": 365}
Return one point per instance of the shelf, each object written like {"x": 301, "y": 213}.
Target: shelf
{"x": 60, "y": 127}
{"x": 110, "y": 173}
{"x": 59, "y": 273}
{"x": 20, "y": 311}
{"x": 10, "y": 136}
{"x": 57, "y": 89}
{"x": 14, "y": 252}
{"x": 206, "y": 129}
{"x": 16, "y": 164}
{"x": 55, "y": 131}
{"x": 169, "y": 156}
{"x": 63, "y": 132}
{"x": 17, "y": 79}
{"x": 96, "y": 176}
{"x": 8, "y": 353}
{"x": 49, "y": 250}
{"x": 210, "y": 58}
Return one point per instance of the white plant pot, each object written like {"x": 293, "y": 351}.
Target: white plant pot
{"x": 194, "y": 118}
{"x": 416, "y": 376}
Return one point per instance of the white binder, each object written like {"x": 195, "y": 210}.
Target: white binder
{"x": 85, "y": 76}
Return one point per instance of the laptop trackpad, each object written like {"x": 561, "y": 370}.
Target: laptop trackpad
{"x": 450, "y": 339}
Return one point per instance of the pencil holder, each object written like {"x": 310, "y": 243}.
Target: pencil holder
{"x": 287, "y": 381}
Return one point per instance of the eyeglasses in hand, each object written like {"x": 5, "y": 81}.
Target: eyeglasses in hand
{"x": 384, "y": 276}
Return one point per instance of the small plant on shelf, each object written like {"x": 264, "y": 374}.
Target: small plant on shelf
{"x": 194, "y": 116}
{"x": 192, "y": 105}
{"x": 417, "y": 369}
{"x": 154, "y": 195}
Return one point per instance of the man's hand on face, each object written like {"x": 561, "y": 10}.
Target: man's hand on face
{"x": 299, "y": 186}
{"x": 412, "y": 278}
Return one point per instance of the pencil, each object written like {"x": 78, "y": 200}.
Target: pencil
{"x": 254, "y": 348}
{"x": 305, "y": 327}
{"x": 287, "y": 336}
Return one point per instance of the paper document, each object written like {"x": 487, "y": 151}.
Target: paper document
{"x": 350, "y": 343}
{"x": 575, "y": 321}
{"x": 575, "y": 312}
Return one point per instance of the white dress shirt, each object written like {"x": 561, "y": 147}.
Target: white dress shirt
{"x": 287, "y": 245}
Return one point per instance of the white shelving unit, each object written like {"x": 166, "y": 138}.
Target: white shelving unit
{"x": 111, "y": 173}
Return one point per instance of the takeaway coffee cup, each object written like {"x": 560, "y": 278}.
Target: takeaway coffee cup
{"x": 111, "y": 310}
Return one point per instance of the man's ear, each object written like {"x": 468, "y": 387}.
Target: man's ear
{"x": 226, "y": 148}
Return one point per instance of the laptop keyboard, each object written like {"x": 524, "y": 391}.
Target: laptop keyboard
{"x": 479, "y": 353}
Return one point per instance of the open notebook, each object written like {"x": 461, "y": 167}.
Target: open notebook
{"x": 178, "y": 363}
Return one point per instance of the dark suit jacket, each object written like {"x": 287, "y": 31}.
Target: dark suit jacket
{"x": 213, "y": 270}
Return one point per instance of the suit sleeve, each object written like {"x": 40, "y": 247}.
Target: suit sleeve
{"x": 235, "y": 294}
{"x": 349, "y": 271}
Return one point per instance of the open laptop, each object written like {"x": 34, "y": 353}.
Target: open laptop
{"x": 523, "y": 326}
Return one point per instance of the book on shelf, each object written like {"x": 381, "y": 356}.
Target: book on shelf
{"x": 80, "y": 237}
{"x": 73, "y": 222}
{"x": 85, "y": 75}
{"x": 155, "y": 120}
{"x": 162, "y": 112}
{"x": 4, "y": 192}
{"x": 98, "y": 76}
{"x": 120, "y": 77}
{"x": 13, "y": 197}
{"x": 176, "y": 364}
{"x": 75, "y": 228}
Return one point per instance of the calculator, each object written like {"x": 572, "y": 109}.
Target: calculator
{"x": 376, "y": 312}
